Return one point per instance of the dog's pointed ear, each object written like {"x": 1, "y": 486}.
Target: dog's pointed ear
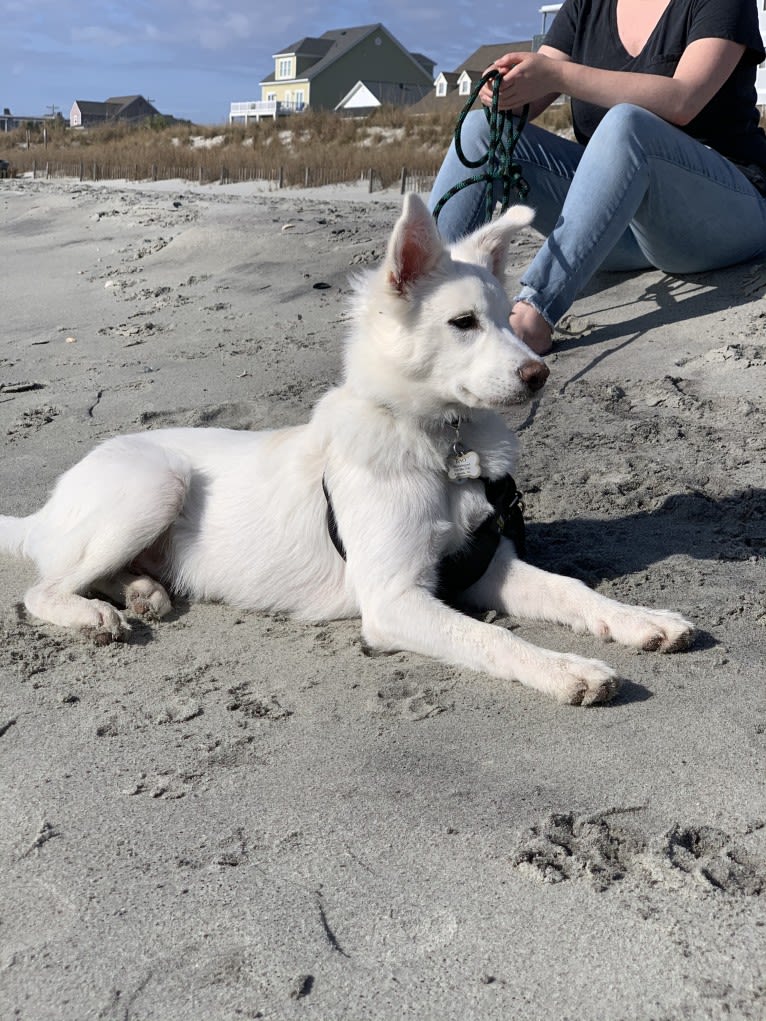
{"x": 488, "y": 246}
{"x": 415, "y": 247}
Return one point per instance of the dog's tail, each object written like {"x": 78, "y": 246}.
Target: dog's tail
{"x": 13, "y": 534}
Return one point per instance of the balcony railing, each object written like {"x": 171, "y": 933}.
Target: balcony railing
{"x": 255, "y": 109}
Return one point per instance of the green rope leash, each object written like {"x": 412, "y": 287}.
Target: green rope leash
{"x": 499, "y": 155}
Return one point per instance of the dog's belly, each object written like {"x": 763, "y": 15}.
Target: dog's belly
{"x": 252, "y": 531}
{"x": 259, "y": 567}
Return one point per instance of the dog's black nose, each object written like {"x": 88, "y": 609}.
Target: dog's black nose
{"x": 534, "y": 374}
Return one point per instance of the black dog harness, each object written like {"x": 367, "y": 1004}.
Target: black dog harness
{"x": 458, "y": 571}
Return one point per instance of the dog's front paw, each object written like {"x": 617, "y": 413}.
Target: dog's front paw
{"x": 579, "y": 681}
{"x": 668, "y": 632}
{"x": 650, "y": 630}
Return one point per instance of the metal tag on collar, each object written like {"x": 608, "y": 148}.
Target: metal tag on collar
{"x": 462, "y": 464}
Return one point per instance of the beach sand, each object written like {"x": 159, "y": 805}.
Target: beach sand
{"x": 236, "y": 816}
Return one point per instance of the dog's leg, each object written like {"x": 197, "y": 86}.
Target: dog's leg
{"x": 140, "y": 594}
{"x": 417, "y": 621}
{"x": 97, "y": 619}
{"x": 104, "y": 512}
{"x": 519, "y": 589}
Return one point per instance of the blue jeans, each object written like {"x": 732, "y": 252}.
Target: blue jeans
{"x": 642, "y": 194}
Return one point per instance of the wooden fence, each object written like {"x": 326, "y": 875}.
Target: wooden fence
{"x": 280, "y": 177}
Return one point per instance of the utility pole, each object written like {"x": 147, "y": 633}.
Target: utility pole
{"x": 53, "y": 110}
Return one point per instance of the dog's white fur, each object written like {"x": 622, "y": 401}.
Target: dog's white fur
{"x": 241, "y": 517}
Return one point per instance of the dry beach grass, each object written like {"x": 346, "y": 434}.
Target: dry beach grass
{"x": 237, "y": 816}
{"x": 308, "y": 149}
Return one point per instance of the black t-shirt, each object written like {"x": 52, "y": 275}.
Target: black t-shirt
{"x": 586, "y": 30}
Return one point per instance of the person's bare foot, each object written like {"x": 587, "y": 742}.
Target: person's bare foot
{"x": 530, "y": 327}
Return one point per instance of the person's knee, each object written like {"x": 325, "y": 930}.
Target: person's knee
{"x": 626, "y": 121}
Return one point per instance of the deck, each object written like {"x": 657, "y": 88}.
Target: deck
{"x": 254, "y": 110}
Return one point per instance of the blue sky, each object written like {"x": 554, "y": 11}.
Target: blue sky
{"x": 193, "y": 57}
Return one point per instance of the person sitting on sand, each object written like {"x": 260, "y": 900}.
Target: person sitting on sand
{"x": 668, "y": 169}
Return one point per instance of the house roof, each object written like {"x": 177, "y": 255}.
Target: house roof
{"x": 309, "y": 46}
{"x": 89, "y": 106}
{"x": 111, "y": 107}
{"x": 387, "y": 93}
{"x": 8, "y": 116}
{"x": 124, "y": 100}
{"x": 425, "y": 62}
{"x": 480, "y": 59}
{"x": 330, "y": 46}
{"x": 453, "y": 103}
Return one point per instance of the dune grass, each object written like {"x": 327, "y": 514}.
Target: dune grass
{"x": 306, "y": 149}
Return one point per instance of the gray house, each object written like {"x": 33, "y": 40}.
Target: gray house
{"x": 133, "y": 109}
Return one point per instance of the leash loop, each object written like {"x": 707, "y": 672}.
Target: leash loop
{"x": 499, "y": 156}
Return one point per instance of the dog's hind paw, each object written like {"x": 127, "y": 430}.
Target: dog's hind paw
{"x": 146, "y": 598}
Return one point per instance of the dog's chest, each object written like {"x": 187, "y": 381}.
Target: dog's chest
{"x": 467, "y": 507}
{"x": 482, "y": 448}
{"x": 473, "y": 455}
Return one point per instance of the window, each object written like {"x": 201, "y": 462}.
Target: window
{"x": 441, "y": 87}
{"x": 299, "y": 99}
{"x": 284, "y": 68}
{"x": 465, "y": 86}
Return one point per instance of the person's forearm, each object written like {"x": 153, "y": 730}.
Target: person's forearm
{"x": 669, "y": 98}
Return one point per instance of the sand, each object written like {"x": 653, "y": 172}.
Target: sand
{"x": 236, "y": 816}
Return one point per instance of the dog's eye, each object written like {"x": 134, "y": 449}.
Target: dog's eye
{"x": 466, "y": 321}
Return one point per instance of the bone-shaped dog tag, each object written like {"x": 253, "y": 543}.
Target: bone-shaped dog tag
{"x": 463, "y": 464}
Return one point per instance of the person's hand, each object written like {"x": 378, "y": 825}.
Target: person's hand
{"x": 525, "y": 78}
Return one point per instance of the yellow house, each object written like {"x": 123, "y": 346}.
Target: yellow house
{"x": 320, "y": 72}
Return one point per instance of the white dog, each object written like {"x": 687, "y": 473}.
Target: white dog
{"x": 378, "y": 507}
